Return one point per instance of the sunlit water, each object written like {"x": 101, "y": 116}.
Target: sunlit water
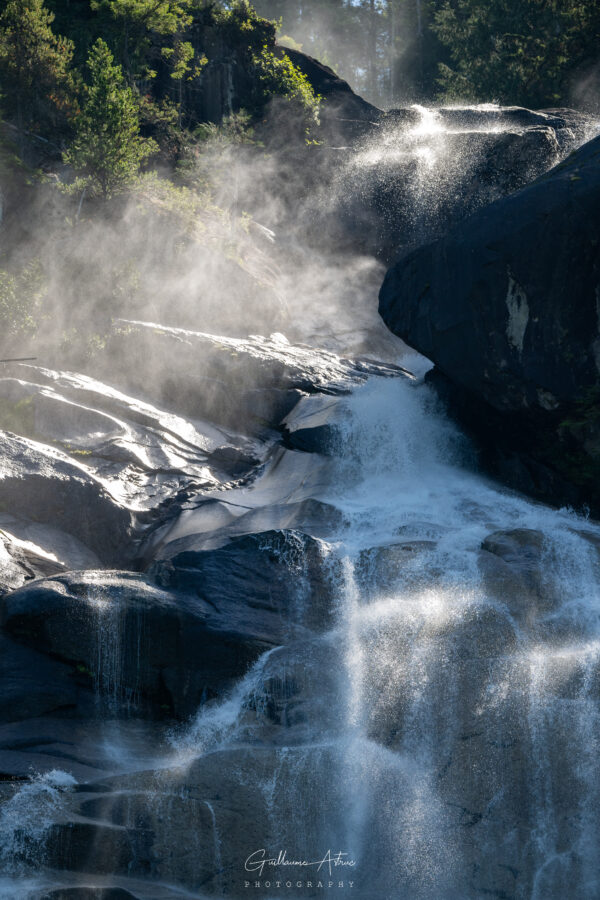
{"x": 449, "y": 733}
{"x": 443, "y": 734}
{"x": 454, "y": 751}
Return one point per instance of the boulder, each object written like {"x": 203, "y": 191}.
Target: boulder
{"x": 249, "y": 384}
{"x": 267, "y": 583}
{"x": 512, "y": 568}
{"x": 311, "y": 426}
{"x": 506, "y": 306}
{"x": 161, "y": 647}
{"x": 138, "y": 648}
{"x": 33, "y": 684}
{"x": 189, "y": 825}
{"x": 394, "y": 568}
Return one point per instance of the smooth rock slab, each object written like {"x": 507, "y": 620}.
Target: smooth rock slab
{"x": 42, "y": 483}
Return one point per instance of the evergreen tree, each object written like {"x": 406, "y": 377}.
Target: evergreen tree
{"x": 139, "y": 24}
{"x": 108, "y": 147}
{"x": 37, "y": 84}
{"x": 524, "y": 52}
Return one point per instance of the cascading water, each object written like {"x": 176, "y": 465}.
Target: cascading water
{"x": 433, "y": 736}
{"x": 453, "y": 749}
{"x": 442, "y": 735}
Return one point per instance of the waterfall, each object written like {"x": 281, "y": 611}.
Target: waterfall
{"x": 440, "y": 734}
{"x": 435, "y": 735}
{"x": 465, "y": 730}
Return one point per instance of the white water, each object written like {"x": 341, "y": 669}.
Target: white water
{"x": 448, "y": 734}
{"x": 442, "y": 734}
{"x": 460, "y": 732}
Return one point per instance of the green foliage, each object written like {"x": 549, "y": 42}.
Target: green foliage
{"x": 21, "y": 296}
{"x": 34, "y": 66}
{"x": 108, "y": 148}
{"x": 205, "y": 160}
{"x": 277, "y": 75}
{"x": 135, "y": 26}
{"x": 523, "y": 52}
{"x": 162, "y": 121}
{"x": 239, "y": 21}
{"x": 234, "y": 129}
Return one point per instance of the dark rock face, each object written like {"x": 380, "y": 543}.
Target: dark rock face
{"x": 33, "y": 684}
{"x": 161, "y": 650}
{"x": 132, "y": 644}
{"x": 507, "y": 307}
{"x": 344, "y": 114}
{"x": 266, "y": 583}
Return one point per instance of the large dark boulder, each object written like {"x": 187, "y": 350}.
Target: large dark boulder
{"x": 266, "y": 584}
{"x": 419, "y": 171}
{"x": 33, "y": 684}
{"x": 137, "y": 648}
{"x": 142, "y": 648}
{"x": 507, "y": 306}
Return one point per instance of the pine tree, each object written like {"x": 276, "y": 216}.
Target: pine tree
{"x": 108, "y": 147}
{"x": 525, "y": 52}
{"x": 138, "y": 23}
{"x": 34, "y": 67}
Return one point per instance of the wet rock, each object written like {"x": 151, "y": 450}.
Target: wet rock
{"x": 161, "y": 650}
{"x": 417, "y": 173}
{"x": 137, "y": 646}
{"x": 95, "y": 847}
{"x": 311, "y": 517}
{"x": 33, "y": 684}
{"x": 191, "y": 823}
{"x": 521, "y": 548}
{"x": 518, "y": 556}
{"x": 505, "y": 305}
{"x": 394, "y": 567}
{"x": 267, "y": 583}
{"x": 504, "y": 118}
{"x": 41, "y": 483}
{"x": 21, "y": 561}
{"x": 249, "y": 384}
{"x": 143, "y": 455}
{"x": 513, "y": 570}
{"x": 311, "y": 426}
{"x": 76, "y": 741}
